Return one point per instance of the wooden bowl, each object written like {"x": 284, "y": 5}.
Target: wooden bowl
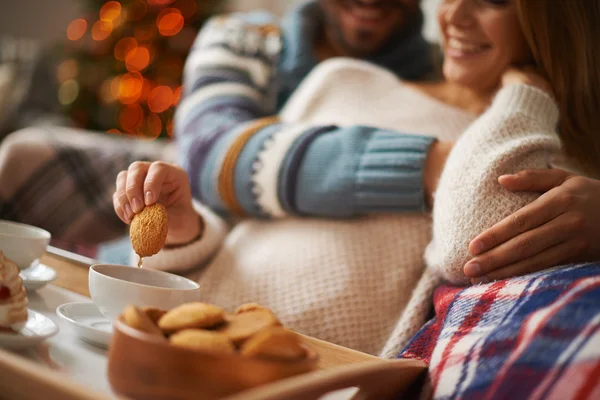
{"x": 142, "y": 366}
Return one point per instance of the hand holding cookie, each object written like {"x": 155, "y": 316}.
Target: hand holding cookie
{"x": 144, "y": 184}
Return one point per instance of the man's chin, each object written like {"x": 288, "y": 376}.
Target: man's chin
{"x": 363, "y": 50}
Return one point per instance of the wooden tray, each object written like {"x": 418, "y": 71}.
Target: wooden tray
{"x": 339, "y": 367}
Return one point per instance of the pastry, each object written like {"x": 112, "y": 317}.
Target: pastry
{"x": 137, "y": 319}
{"x": 203, "y": 340}
{"x": 148, "y": 231}
{"x": 250, "y": 307}
{"x": 274, "y": 342}
{"x": 154, "y": 313}
{"x": 240, "y": 327}
{"x": 192, "y": 316}
{"x": 13, "y": 297}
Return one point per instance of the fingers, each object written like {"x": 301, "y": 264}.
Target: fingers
{"x": 120, "y": 200}
{"x": 157, "y": 174}
{"x": 534, "y": 180}
{"x": 119, "y": 210}
{"x": 523, "y": 247}
{"x": 542, "y": 210}
{"x": 134, "y": 187}
{"x": 548, "y": 258}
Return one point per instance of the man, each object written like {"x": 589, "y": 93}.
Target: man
{"x": 239, "y": 75}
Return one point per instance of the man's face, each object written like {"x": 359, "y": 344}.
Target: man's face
{"x": 363, "y": 27}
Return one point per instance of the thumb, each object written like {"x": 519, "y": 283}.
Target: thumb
{"x": 534, "y": 180}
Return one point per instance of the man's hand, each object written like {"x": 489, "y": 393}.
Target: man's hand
{"x": 561, "y": 226}
{"x": 145, "y": 183}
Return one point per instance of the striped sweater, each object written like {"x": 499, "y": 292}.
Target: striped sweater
{"x": 244, "y": 161}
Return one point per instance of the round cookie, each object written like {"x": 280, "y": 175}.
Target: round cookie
{"x": 148, "y": 230}
{"x": 250, "y": 307}
{"x": 203, "y": 340}
{"x": 242, "y": 326}
{"x": 274, "y": 342}
{"x": 139, "y": 320}
{"x": 190, "y": 316}
{"x": 154, "y": 313}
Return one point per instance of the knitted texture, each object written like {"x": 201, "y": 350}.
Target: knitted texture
{"x": 344, "y": 281}
{"x": 237, "y": 74}
{"x": 517, "y": 132}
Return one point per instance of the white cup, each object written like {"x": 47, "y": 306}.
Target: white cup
{"x": 22, "y": 244}
{"x": 114, "y": 287}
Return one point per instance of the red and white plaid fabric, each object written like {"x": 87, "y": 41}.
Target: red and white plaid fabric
{"x": 531, "y": 337}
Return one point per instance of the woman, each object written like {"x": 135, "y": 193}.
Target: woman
{"x": 359, "y": 298}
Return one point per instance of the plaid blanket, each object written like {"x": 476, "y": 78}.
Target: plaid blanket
{"x": 63, "y": 179}
{"x": 532, "y": 337}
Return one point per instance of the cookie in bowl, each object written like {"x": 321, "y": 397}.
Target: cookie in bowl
{"x": 207, "y": 354}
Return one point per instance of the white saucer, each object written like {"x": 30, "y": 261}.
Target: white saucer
{"x": 37, "y": 276}
{"x": 91, "y": 326}
{"x": 37, "y": 329}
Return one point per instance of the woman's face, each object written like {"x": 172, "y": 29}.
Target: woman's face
{"x": 481, "y": 38}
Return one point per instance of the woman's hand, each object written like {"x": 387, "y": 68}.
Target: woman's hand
{"x": 145, "y": 183}
{"x": 561, "y": 226}
{"x": 526, "y": 76}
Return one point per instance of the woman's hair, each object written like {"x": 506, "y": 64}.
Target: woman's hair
{"x": 563, "y": 36}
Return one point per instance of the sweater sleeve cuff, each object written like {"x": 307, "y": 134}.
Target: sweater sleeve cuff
{"x": 390, "y": 173}
{"x": 529, "y": 101}
{"x": 185, "y": 258}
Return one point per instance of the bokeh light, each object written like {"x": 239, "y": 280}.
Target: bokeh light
{"x": 169, "y": 22}
{"x": 131, "y": 117}
{"x": 130, "y": 87}
{"x": 106, "y": 94}
{"x": 177, "y": 95}
{"x": 160, "y": 99}
{"x": 154, "y": 126}
{"x": 146, "y": 89}
{"x": 101, "y": 30}
{"x": 115, "y": 84}
{"x": 110, "y": 11}
{"x": 68, "y": 92}
{"x": 124, "y": 47}
{"x": 68, "y": 69}
{"x": 76, "y": 29}
{"x": 137, "y": 59}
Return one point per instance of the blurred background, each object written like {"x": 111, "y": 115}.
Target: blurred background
{"x": 111, "y": 66}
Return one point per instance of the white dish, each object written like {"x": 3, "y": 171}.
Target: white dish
{"x": 89, "y": 323}
{"x": 21, "y": 243}
{"x": 37, "y": 276}
{"x": 114, "y": 287}
{"x": 37, "y": 329}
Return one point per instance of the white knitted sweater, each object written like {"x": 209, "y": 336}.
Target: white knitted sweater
{"x": 345, "y": 281}
{"x": 517, "y": 132}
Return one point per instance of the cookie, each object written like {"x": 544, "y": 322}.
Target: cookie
{"x": 203, "y": 340}
{"x": 137, "y": 319}
{"x": 250, "y": 307}
{"x": 154, "y": 313}
{"x": 274, "y": 342}
{"x": 148, "y": 230}
{"x": 192, "y": 316}
{"x": 240, "y": 327}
